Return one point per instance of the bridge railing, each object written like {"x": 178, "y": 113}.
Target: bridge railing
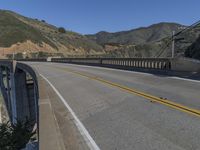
{"x": 149, "y": 63}
{"x": 175, "y": 64}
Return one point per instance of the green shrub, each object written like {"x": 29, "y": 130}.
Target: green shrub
{"x": 14, "y": 137}
{"x": 62, "y": 30}
{"x": 19, "y": 56}
{"x": 42, "y": 54}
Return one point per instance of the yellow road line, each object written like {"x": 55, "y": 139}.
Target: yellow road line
{"x": 139, "y": 93}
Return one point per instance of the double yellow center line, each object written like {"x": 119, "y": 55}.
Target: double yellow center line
{"x": 152, "y": 98}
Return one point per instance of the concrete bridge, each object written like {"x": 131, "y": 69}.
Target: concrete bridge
{"x": 79, "y": 103}
{"x": 19, "y": 88}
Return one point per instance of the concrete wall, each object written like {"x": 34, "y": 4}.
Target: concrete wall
{"x": 122, "y": 63}
{"x": 176, "y": 64}
{"x": 185, "y": 64}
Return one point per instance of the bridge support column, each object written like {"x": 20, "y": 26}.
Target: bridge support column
{"x": 22, "y": 103}
{"x": 7, "y": 84}
{"x": 12, "y": 89}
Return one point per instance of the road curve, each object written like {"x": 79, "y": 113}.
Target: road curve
{"x": 118, "y": 119}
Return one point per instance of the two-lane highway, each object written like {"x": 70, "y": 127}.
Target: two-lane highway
{"x": 125, "y": 110}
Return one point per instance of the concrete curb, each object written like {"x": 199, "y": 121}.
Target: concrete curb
{"x": 49, "y": 133}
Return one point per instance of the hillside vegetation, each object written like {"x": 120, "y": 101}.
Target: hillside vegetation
{"x": 141, "y": 42}
{"x": 152, "y": 41}
{"x": 21, "y": 34}
{"x": 193, "y": 51}
{"x": 28, "y": 37}
{"x": 137, "y": 36}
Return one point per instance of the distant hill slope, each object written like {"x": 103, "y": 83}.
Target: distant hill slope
{"x": 152, "y": 41}
{"x": 193, "y": 51}
{"x": 35, "y": 38}
{"x": 137, "y": 36}
{"x": 21, "y": 34}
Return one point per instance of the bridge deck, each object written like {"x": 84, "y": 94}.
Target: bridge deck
{"x": 117, "y": 118}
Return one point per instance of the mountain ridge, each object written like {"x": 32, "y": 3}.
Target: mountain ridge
{"x": 139, "y": 35}
{"x": 36, "y": 38}
{"x": 16, "y": 30}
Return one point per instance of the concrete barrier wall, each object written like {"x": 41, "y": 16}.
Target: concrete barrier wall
{"x": 148, "y": 63}
{"x": 185, "y": 64}
{"x": 176, "y": 64}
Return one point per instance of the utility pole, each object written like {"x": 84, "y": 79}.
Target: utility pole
{"x": 173, "y": 43}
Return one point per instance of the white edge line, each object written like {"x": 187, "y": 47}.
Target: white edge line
{"x": 178, "y": 78}
{"x": 88, "y": 139}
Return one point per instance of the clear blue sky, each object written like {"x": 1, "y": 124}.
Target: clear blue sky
{"x": 91, "y": 16}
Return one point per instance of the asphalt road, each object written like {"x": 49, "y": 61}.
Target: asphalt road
{"x": 118, "y": 119}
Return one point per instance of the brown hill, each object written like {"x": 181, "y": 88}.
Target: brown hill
{"x": 21, "y": 34}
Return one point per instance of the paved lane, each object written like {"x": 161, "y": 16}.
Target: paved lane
{"x": 117, "y": 119}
